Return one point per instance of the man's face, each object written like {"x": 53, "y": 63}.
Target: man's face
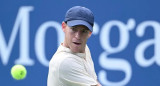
{"x": 76, "y": 37}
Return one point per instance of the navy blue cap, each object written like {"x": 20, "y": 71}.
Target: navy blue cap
{"x": 79, "y": 15}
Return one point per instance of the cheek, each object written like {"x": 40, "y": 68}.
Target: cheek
{"x": 85, "y": 37}
{"x": 70, "y": 37}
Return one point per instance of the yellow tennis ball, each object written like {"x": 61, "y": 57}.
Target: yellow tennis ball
{"x": 18, "y": 72}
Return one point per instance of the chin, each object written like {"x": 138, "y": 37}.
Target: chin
{"x": 76, "y": 51}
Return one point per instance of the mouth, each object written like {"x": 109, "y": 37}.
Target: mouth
{"x": 76, "y": 43}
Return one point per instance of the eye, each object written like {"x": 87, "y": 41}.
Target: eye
{"x": 74, "y": 29}
{"x": 85, "y": 31}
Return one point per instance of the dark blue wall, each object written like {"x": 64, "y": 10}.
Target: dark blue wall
{"x": 125, "y": 44}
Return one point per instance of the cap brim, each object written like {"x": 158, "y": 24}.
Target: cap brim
{"x": 79, "y": 22}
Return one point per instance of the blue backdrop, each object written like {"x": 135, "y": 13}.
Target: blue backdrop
{"x": 125, "y": 44}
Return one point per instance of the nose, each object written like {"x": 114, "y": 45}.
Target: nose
{"x": 78, "y": 34}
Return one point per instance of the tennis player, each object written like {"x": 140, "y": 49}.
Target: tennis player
{"x": 72, "y": 64}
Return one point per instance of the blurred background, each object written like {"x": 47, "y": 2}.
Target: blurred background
{"x": 125, "y": 43}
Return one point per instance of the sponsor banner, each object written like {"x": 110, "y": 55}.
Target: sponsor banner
{"x": 125, "y": 43}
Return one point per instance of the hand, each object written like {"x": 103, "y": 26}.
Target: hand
{"x": 99, "y": 84}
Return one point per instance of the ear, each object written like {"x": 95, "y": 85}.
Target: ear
{"x": 64, "y": 25}
{"x": 90, "y": 33}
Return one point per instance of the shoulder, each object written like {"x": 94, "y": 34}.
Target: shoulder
{"x": 63, "y": 60}
{"x": 71, "y": 67}
{"x": 70, "y": 64}
{"x": 72, "y": 71}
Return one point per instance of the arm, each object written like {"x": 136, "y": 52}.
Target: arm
{"x": 97, "y": 84}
